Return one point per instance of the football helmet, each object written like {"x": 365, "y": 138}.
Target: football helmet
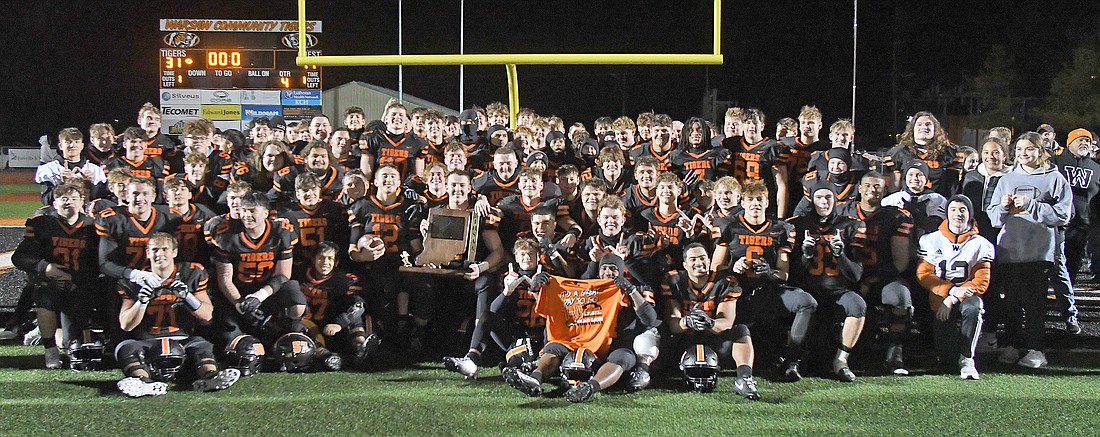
{"x": 165, "y": 359}
{"x": 294, "y": 351}
{"x": 86, "y": 354}
{"x": 520, "y": 354}
{"x": 577, "y": 365}
{"x": 245, "y": 353}
{"x": 700, "y": 367}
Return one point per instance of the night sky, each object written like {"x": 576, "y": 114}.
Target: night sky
{"x": 75, "y": 63}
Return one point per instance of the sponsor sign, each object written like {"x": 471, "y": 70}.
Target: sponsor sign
{"x": 253, "y": 111}
{"x": 229, "y": 124}
{"x": 301, "y": 98}
{"x": 198, "y": 25}
{"x": 174, "y": 125}
{"x": 261, "y": 97}
{"x": 220, "y": 97}
{"x": 296, "y": 113}
{"x": 179, "y": 97}
{"x": 24, "y": 158}
{"x": 179, "y": 111}
{"x": 221, "y": 112}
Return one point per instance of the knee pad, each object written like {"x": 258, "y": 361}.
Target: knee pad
{"x": 623, "y": 357}
{"x": 739, "y": 331}
{"x": 646, "y": 345}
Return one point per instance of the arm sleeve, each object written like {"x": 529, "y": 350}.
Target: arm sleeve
{"x": 28, "y": 257}
{"x": 647, "y": 315}
{"x": 108, "y": 267}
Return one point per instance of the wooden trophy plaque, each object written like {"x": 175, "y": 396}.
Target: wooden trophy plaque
{"x": 450, "y": 244}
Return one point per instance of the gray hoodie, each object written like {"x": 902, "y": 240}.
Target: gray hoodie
{"x": 1028, "y": 234}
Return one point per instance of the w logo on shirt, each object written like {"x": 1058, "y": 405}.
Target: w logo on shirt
{"x": 1078, "y": 177}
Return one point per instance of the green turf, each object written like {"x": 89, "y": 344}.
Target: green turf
{"x": 431, "y": 401}
{"x": 18, "y": 209}
{"x": 19, "y": 189}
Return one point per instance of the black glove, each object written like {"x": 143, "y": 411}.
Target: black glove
{"x": 704, "y": 319}
{"x": 540, "y": 280}
{"x": 624, "y": 284}
{"x": 145, "y": 295}
{"x": 411, "y": 193}
{"x": 178, "y": 288}
{"x": 248, "y": 305}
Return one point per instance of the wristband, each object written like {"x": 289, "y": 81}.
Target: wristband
{"x": 192, "y": 302}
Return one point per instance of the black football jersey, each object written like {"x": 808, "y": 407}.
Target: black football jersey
{"x": 397, "y": 224}
{"x": 327, "y": 221}
{"x": 132, "y": 235}
{"x": 755, "y": 242}
{"x": 823, "y": 271}
{"x": 48, "y": 238}
{"x": 149, "y": 167}
{"x": 718, "y": 289}
{"x": 398, "y": 150}
{"x": 754, "y": 162}
{"x": 493, "y": 187}
{"x": 944, "y": 173}
{"x": 327, "y": 297}
{"x": 516, "y": 216}
{"x": 664, "y": 160}
{"x": 331, "y": 182}
{"x": 254, "y": 260}
{"x": 165, "y": 315}
{"x": 192, "y": 243}
{"x": 882, "y": 226}
{"x": 96, "y": 156}
{"x": 699, "y": 165}
{"x": 636, "y": 201}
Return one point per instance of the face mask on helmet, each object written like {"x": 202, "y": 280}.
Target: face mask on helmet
{"x": 86, "y": 354}
{"x": 700, "y": 367}
{"x": 577, "y": 365}
{"x": 294, "y": 352}
{"x": 165, "y": 359}
{"x": 245, "y": 353}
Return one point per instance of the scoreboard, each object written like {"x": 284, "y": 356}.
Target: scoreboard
{"x": 231, "y": 71}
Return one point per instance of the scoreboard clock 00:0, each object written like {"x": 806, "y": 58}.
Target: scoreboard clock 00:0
{"x": 243, "y": 54}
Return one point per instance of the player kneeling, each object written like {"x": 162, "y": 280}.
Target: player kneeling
{"x": 335, "y": 317}
{"x": 700, "y": 312}
{"x": 161, "y": 320}
{"x": 954, "y": 268}
{"x": 583, "y": 316}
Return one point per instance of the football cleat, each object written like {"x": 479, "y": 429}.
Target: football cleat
{"x": 790, "y": 371}
{"x": 639, "y": 380}
{"x": 967, "y": 369}
{"x": 1073, "y": 327}
{"x": 1033, "y": 360}
{"x": 746, "y": 387}
{"x": 220, "y": 380}
{"x": 462, "y": 365}
{"x": 32, "y": 337}
{"x": 1009, "y": 355}
{"x": 894, "y": 360}
{"x": 524, "y": 383}
{"x": 137, "y": 387}
{"x": 332, "y": 362}
{"x": 843, "y": 373}
{"x": 582, "y": 392}
{"x": 53, "y": 358}
{"x": 364, "y": 351}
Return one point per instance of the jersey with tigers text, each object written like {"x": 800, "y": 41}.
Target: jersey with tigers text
{"x": 132, "y": 235}
{"x": 75, "y": 247}
{"x": 719, "y": 289}
{"x": 397, "y": 224}
{"x": 163, "y": 317}
{"x": 254, "y": 260}
{"x": 327, "y": 221}
{"x": 763, "y": 242}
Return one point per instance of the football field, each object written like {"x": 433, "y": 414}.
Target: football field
{"x": 431, "y": 401}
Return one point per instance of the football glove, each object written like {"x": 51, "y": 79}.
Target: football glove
{"x": 248, "y": 305}
{"x": 539, "y": 280}
{"x": 144, "y": 295}
{"x": 837, "y": 244}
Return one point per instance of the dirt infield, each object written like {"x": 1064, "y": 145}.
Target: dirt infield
{"x": 20, "y": 176}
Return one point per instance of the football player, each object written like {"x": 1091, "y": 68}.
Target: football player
{"x": 193, "y": 247}
{"x": 58, "y": 252}
{"x": 134, "y": 143}
{"x": 925, "y": 205}
{"x": 582, "y": 316}
{"x": 757, "y": 250}
{"x": 254, "y": 265}
{"x": 696, "y": 160}
{"x": 924, "y": 140}
{"x": 318, "y": 161}
{"x": 159, "y": 317}
{"x": 643, "y": 193}
{"x": 336, "y": 316}
{"x": 500, "y": 180}
{"x": 516, "y": 210}
{"x": 701, "y": 308}
{"x": 397, "y": 145}
{"x": 383, "y": 226}
{"x": 885, "y": 260}
{"x": 71, "y": 164}
{"x": 954, "y": 268}
{"x": 669, "y": 229}
{"x": 756, "y": 157}
{"x": 660, "y": 147}
{"x": 839, "y": 174}
{"x": 101, "y": 136}
{"x": 315, "y": 218}
{"x": 124, "y": 231}
{"x": 829, "y": 268}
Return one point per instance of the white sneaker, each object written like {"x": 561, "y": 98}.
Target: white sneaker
{"x": 53, "y": 358}
{"x": 1009, "y": 355}
{"x": 463, "y": 365}
{"x": 136, "y": 387}
{"x": 6, "y": 334}
{"x": 222, "y": 380}
{"x": 32, "y": 338}
{"x": 967, "y": 369}
{"x": 1034, "y": 359}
